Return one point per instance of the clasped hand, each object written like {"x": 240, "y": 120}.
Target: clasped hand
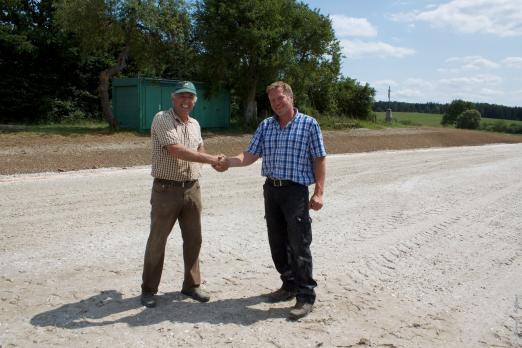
{"x": 222, "y": 163}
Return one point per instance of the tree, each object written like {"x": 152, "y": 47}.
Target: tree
{"x": 246, "y": 44}
{"x": 36, "y": 62}
{"x": 455, "y": 108}
{"x": 151, "y": 33}
{"x": 469, "y": 119}
{"x": 354, "y": 100}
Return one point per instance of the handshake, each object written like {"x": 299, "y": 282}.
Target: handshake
{"x": 221, "y": 163}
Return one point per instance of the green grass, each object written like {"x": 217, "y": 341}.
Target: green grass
{"x": 79, "y": 127}
{"x": 400, "y": 119}
{"x": 336, "y": 123}
{"x": 484, "y": 121}
{"x": 414, "y": 119}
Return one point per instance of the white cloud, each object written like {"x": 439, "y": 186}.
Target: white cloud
{"x": 408, "y": 93}
{"x": 418, "y": 83}
{"x": 480, "y": 88}
{"x": 472, "y": 63}
{"x": 497, "y": 17}
{"x": 473, "y": 81}
{"x": 513, "y": 62}
{"x": 488, "y": 92}
{"x": 383, "y": 83}
{"x": 349, "y": 26}
{"x": 358, "y": 49}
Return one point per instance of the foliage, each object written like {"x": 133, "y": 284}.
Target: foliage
{"x": 455, "y": 108}
{"x": 485, "y": 109}
{"x": 149, "y": 35}
{"x": 469, "y": 119}
{"x": 52, "y": 53}
{"x": 502, "y": 126}
{"x": 36, "y": 64}
{"x": 354, "y": 100}
{"x": 415, "y": 119}
{"x": 429, "y": 108}
{"x": 247, "y": 44}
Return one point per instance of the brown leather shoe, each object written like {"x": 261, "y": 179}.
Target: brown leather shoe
{"x": 196, "y": 294}
{"x": 300, "y": 310}
{"x": 281, "y": 295}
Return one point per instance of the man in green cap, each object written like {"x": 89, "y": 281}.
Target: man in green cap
{"x": 177, "y": 155}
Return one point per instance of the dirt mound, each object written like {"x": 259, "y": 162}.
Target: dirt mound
{"x": 22, "y": 152}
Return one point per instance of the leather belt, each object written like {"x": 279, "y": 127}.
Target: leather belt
{"x": 279, "y": 183}
{"x": 174, "y": 183}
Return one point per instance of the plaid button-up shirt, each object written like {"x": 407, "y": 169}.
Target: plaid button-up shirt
{"x": 168, "y": 129}
{"x": 288, "y": 153}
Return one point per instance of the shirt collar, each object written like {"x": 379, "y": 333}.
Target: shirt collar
{"x": 176, "y": 116}
{"x": 276, "y": 120}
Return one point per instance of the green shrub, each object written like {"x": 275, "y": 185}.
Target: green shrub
{"x": 63, "y": 111}
{"x": 455, "y": 108}
{"x": 469, "y": 119}
{"x": 515, "y": 128}
{"x": 497, "y": 126}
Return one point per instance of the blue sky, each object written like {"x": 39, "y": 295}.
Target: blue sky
{"x": 431, "y": 50}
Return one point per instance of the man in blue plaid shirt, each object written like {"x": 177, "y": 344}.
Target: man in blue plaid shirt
{"x": 291, "y": 145}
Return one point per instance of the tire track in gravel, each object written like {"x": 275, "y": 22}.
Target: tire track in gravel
{"x": 412, "y": 249}
{"x": 403, "y": 240}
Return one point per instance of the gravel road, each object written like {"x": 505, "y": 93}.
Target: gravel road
{"x": 414, "y": 248}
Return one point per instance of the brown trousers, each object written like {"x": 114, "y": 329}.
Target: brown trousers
{"x": 170, "y": 203}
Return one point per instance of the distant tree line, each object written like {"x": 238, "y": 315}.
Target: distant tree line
{"x": 58, "y": 57}
{"x": 485, "y": 109}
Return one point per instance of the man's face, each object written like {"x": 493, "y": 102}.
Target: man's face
{"x": 280, "y": 102}
{"x": 183, "y": 102}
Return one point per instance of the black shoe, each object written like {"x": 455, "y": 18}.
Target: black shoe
{"x": 196, "y": 294}
{"x": 300, "y": 310}
{"x": 148, "y": 300}
{"x": 281, "y": 295}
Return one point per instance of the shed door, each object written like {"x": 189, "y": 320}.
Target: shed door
{"x": 152, "y": 104}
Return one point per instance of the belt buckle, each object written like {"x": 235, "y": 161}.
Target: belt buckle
{"x": 278, "y": 183}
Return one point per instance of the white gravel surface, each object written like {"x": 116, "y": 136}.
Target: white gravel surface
{"x": 412, "y": 249}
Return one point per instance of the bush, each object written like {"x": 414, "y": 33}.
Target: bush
{"x": 66, "y": 111}
{"x": 455, "y": 108}
{"x": 515, "y": 128}
{"x": 469, "y": 119}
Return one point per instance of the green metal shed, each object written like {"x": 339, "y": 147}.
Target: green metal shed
{"x": 135, "y": 101}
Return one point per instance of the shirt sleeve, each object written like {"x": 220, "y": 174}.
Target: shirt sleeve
{"x": 164, "y": 130}
{"x": 316, "y": 141}
{"x": 255, "y": 147}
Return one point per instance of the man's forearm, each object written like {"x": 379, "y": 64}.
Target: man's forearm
{"x": 186, "y": 154}
{"x": 320, "y": 174}
{"x": 241, "y": 160}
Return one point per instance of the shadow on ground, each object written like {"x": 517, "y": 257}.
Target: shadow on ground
{"x": 109, "y": 307}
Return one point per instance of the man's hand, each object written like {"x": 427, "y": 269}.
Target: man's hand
{"x": 222, "y": 164}
{"x": 316, "y": 202}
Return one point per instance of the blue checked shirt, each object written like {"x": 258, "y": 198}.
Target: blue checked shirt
{"x": 288, "y": 153}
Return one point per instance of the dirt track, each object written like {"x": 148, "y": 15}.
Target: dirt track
{"x": 416, "y": 248}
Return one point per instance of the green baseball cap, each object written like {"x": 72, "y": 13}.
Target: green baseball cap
{"x": 185, "y": 86}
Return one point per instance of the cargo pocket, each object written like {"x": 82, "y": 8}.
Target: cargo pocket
{"x": 304, "y": 226}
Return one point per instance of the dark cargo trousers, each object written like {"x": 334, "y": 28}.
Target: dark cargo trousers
{"x": 168, "y": 204}
{"x": 290, "y": 235}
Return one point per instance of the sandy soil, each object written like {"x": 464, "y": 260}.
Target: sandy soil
{"x": 415, "y": 248}
{"x": 31, "y": 153}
